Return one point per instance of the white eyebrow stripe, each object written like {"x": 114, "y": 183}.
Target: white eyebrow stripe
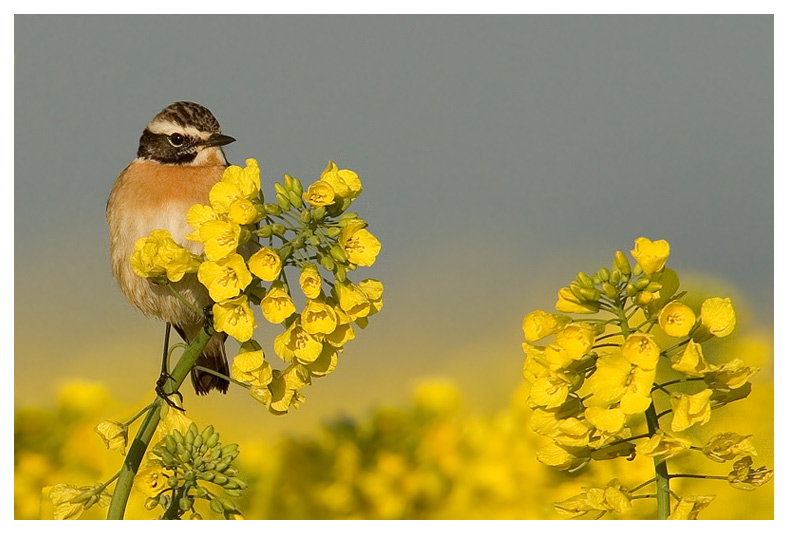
{"x": 167, "y": 127}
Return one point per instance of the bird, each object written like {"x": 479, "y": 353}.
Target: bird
{"x": 179, "y": 159}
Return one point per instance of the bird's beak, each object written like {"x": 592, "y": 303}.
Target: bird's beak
{"x": 219, "y": 140}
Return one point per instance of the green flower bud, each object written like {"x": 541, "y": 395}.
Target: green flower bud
{"x": 314, "y": 240}
{"x": 169, "y": 443}
{"x": 338, "y": 254}
{"x": 653, "y": 287}
{"x": 638, "y": 270}
{"x": 284, "y": 252}
{"x": 197, "y": 442}
{"x": 319, "y": 212}
{"x": 575, "y": 288}
{"x": 333, "y": 232}
{"x": 196, "y": 516}
{"x": 641, "y": 283}
{"x": 185, "y": 503}
{"x": 177, "y": 436}
{"x": 306, "y": 216}
{"x": 327, "y": 263}
{"x": 219, "y": 479}
{"x": 264, "y": 231}
{"x": 295, "y": 199}
{"x": 283, "y": 201}
{"x": 615, "y": 276}
{"x": 278, "y": 229}
{"x": 622, "y": 263}
{"x": 604, "y": 274}
{"x": 273, "y": 209}
{"x": 590, "y": 294}
{"x": 151, "y": 503}
{"x": 212, "y": 440}
{"x": 216, "y": 506}
{"x": 609, "y": 290}
{"x": 340, "y": 273}
{"x": 281, "y": 189}
{"x": 630, "y": 290}
{"x": 207, "y": 432}
{"x": 584, "y": 280}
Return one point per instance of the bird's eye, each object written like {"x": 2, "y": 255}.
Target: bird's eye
{"x": 176, "y": 139}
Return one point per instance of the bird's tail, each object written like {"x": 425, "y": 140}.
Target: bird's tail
{"x": 213, "y": 357}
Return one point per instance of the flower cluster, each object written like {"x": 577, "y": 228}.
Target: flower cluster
{"x": 592, "y": 384}
{"x": 244, "y": 268}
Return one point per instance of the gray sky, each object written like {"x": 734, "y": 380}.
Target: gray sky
{"x": 499, "y": 156}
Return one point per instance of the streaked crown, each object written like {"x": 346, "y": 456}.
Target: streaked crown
{"x": 183, "y": 133}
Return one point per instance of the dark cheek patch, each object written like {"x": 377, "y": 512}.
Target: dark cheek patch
{"x": 158, "y": 148}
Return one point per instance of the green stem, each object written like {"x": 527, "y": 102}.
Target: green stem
{"x": 131, "y": 464}
{"x": 660, "y": 469}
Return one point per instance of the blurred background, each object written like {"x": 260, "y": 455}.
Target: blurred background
{"x": 500, "y": 155}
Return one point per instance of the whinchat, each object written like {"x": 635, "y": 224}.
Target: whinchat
{"x": 178, "y": 161}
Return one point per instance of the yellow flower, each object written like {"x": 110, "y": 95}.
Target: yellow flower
{"x": 606, "y": 419}
{"x": 617, "y": 380}
{"x": 114, "y": 435}
{"x": 718, "y": 316}
{"x": 244, "y": 211}
{"x": 744, "y": 477}
{"x": 689, "y": 506}
{"x": 319, "y": 193}
{"x": 222, "y": 195}
{"x": 358, "y": 244}
{"x": 318, "y": 317}
{"x": 651, "y": 255}
{"x": 61, "y": 496}
{"x": 539, "y": 324}
{"x": 235, "y": 317}
{"x": 676, "y": 319}
{"x": 352, "y": 299}
{"x": 535, "y": 365}
{"x": 342, "y": 333}
{"x": 159, "y": 255}
{"x": 374, "y": 291}
{"x": 325, "y": 362}
{"x": 151, "y": 480}
{"x": 265, "y": 264}
{"x": 733, "y": 374}
{"x": 663, "y": 445}
{"x": 612, "y": 498}
{"x": 219, "y": 238}
{"x": 691, "y": 361}
{"x": 563, "y": 458}
{"x": 297, "y": 343}
{"x": 557, "y": 357}
{"x": 277, "y": 305}
{"x": 569, "y": 303}
{"x": 196, "y": 216}
{"x": 572, "y": 432}
{"x": 250, "y": 365}
{"x": 641, "y": 350}
{"x": 310, "y": 281}
{"x": 344, "y": 182}
{"x": 727, "y": 446}
{"x": 576, "y": 339}
{"x": 225, "y": 278}
{"x": 247, "y": 179}
{"x": 689, "y": 410}
{"x": 550, "y": 390}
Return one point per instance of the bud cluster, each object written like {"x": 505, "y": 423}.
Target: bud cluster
{"x": 188, "y": 461}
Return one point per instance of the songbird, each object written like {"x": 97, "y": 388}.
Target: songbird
{"x": 178, "y": 161}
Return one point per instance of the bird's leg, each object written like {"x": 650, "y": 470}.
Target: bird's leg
{"x": 208, "y": 315}
{"x": 165, "y": 373}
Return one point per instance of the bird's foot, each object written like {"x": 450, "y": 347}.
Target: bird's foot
{"x": 159, "y": 389}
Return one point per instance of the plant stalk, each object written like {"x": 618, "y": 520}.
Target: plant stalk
{"x": 120, "y": 497}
